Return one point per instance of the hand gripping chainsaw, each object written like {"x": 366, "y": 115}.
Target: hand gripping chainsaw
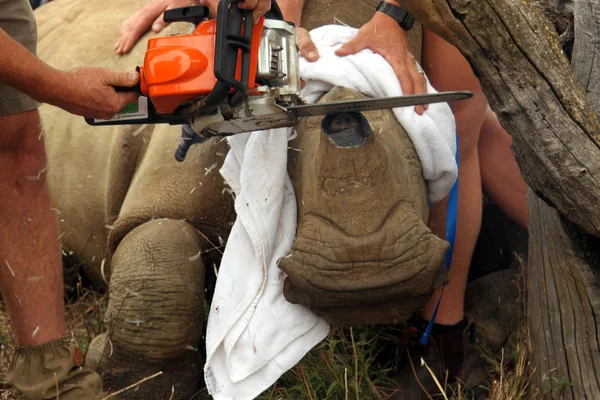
{"x": 231, "y": 76}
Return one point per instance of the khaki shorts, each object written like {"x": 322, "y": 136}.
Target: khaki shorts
{"x": 18, "y": 21}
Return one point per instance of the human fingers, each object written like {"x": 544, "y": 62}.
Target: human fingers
{"x": 126, "y": 98}
{"x": 248, "y": 4}
{"x": 261, "y": 9}
{"x": 159, "y": 24}
{"x": 213, "y": 6}
{"x": 307, "y": 47}
{"x": 353, "y": 46}
{"x": 398, "y": 63}
{"x": 136, "y": 25}
{"x": 420, "y": 85}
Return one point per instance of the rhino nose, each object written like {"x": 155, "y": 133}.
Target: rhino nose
{"x": 347, "y": 129}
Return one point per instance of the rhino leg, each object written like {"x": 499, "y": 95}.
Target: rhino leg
{"x": 154, "y": 321}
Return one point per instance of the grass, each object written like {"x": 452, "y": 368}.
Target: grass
{"x": 349, "y": 364}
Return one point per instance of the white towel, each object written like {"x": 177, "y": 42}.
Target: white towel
{"x": 254, "y": 335}
{"x": 433, "y": 134}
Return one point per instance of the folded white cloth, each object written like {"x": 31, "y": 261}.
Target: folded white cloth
{"x": 253, "y": 334}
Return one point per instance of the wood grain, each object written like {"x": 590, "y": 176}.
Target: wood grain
{"x": 563, "y": 305}
{"x": 528, "y": 80}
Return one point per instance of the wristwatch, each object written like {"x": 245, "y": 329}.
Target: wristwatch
{"x": 405, "y": 20}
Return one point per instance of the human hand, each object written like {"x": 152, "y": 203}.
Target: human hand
{"x": 384, "y": 36}
{"x": 89, "y": 91}
{"x": 307, "y": 47}
{"x": 258, "y": 7}
{"x": 151, "y": 15}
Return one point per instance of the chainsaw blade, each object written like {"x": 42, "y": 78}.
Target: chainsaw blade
{"x": 308, "y": 110}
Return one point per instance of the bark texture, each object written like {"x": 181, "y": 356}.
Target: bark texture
{"x": 586, "y": 52}
{"x": 528, "y": 80}
{"x": 563, "y": 305}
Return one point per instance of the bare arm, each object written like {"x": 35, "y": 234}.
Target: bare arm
{"x": 24, "y": 71}
{"x": 292, "y": 10}
{"x": 84, "y": 91}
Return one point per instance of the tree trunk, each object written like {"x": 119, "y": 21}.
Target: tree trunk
{"x": 586, "y": 52}
{"x": 530, "y": 84}
{"x": 563, "y": 304}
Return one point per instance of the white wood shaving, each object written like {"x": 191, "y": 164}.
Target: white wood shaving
{"x": 19, "y": 300}
{"x": 9, "y": 268}
{"x": 209, "y": 169}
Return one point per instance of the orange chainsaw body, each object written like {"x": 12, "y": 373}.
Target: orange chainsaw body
{"x": 180, "y": 68}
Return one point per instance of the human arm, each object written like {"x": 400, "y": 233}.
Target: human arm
{"x": 85, "y": 91}
{"x": 292, "y": 11}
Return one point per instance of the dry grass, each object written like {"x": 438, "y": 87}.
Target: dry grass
{"x": 349, "y": 364}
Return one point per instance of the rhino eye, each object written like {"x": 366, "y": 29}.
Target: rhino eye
{"x": 347, "y": 129}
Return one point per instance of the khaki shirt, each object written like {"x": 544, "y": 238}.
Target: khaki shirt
{"x": 18, "y": 21}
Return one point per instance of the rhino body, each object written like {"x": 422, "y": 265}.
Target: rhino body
{"x": 145, "y": 226}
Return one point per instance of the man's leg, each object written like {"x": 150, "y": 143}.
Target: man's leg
{"x": 31, "y": 283}
{"x": 449, "y": 352}
{"x": 31, "y": 267}
{"x": 31, "y": 273}
{"x": 500, "y": 174}
{"x": 447, "y": 70}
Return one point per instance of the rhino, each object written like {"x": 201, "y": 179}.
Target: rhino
{"x": 150, "y": 230}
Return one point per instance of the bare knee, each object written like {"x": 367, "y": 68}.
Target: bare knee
{"x": 492, "y": 134}
{"x": 449, "y": 70}
{"x": 22, "y": 149}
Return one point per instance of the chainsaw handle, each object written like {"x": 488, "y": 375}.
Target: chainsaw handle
{"x": 135, "y": 89}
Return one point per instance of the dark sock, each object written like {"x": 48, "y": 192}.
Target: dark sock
{"x": 421, "y": 324}
{"x": 458, "y": 327}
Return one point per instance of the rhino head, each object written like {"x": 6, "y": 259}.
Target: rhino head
{"x": 363, "y": 252}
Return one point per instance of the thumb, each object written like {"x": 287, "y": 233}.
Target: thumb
{"x": 159, "y": 24}
{"x": 352, "y": 47}
{"x": 307, "y": 47}
{"x": 128, "y": 79}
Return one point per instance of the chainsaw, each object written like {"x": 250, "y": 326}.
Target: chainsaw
{"x": 230, "y": 76}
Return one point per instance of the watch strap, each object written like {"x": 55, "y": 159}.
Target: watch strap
{"x": 405, "y": 20}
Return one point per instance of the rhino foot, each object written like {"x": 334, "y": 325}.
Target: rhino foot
{"x": 155, "y": 315}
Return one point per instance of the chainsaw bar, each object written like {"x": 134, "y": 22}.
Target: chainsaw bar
{"x": 308, "y": 110}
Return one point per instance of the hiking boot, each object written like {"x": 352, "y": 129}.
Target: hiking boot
{"x": 450, "y": 354}
{"x": 38, "y": 371}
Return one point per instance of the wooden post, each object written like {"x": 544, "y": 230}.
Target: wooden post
{"x": 563, "y": 305}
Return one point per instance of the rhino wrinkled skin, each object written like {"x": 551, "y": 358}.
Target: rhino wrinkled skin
{"x": 145, "y": 226}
